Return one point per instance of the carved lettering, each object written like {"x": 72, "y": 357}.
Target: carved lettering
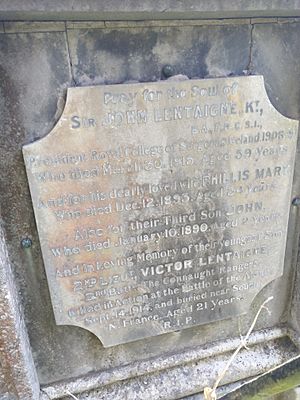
{"x": 162, "y": 206}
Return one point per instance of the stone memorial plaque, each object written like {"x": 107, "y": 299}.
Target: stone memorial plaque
{"x": 162, "y": 206}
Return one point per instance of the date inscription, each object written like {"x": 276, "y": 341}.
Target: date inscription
{"x": 162, "y": 206}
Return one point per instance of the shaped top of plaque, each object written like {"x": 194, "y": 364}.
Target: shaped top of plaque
{"x": 162, "y": 206}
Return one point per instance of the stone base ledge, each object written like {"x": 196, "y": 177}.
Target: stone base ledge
{"x": 181, "y": 374}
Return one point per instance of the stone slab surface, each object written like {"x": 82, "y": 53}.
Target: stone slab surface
{"x": 22, "y": 27}
{"x": 25, "y": 112}
{"x": 118, "y": 10}
{"x": 162, "y": 206}
{"x": 17, "y": 370}
{"x": 185, "y": 379}
{"x": 120, "y": 55}
{"x": 59, "y": 352}
{"x": 275, "y": 55}
{"x": 278, "y": 63}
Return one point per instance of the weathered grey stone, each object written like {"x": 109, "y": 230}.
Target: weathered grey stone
{"x": 276, "y": 54}
{"x": 22, "y": 27}
{"x": 157, "y": 23}
{"x": 119, "y": 55}
{"x": 149, "y": 223}
{"x": 62, "y": 355}
{"x": 287, "y": 20}
{"x": 266, "y": 20}
{"x": 182, "y": 380}
{"x": 163, "y": 9}
{"x": 35, "y": 73}
{"x": 295, "y": 309}
{"x": 17, "y": 370}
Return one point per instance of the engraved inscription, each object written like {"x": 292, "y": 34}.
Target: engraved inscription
{"x": 162, "y": 206}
